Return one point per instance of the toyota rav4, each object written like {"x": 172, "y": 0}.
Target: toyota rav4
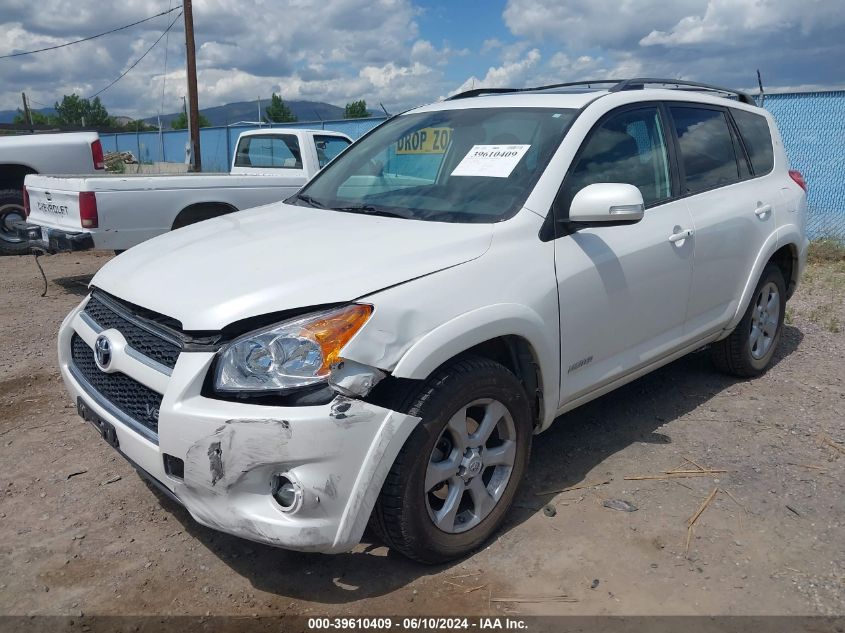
{"x": 382, "y": 346}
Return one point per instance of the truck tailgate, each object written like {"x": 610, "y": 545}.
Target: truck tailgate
{"x": 53, "y": 208}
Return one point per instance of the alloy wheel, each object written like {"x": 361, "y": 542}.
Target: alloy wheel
{"x": 764, "y": 320}
{"x": 470, "y": 466}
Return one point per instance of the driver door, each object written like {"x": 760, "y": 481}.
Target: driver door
{"x": 623, "y": 290}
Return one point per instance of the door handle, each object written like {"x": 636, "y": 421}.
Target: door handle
{"x": 681, "y": 235}
{"x": 762, "y": 210}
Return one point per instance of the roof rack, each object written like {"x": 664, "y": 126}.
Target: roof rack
{"x": 617, "y": 85}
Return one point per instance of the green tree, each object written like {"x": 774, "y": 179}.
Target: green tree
{"x": 278, "y": 111}
{"x": 38, "y": 118}
{"x": 74, "y": 110}
{"x": 181, "y": 121}
{"x": 132, "y": 126}
{"x": 356, "y": 110}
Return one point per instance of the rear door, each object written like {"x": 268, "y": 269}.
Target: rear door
{"x": 732, "y": 214}
{"x": 623, "y": 290}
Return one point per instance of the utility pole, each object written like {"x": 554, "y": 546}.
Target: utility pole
{"x": 27, "y": 115}
{"x": 193, "y": 105}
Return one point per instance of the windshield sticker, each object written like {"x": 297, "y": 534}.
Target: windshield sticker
{"x": 492, "y": 161}
{"x": 429, "y": 140}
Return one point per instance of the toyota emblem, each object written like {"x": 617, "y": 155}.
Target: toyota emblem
{"x": 102, "y": 352}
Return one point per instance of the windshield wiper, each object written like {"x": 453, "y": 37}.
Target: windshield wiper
{"x": 368, "y": 209}
{"x": 309, "y": 200}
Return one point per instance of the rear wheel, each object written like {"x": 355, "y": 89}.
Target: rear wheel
{"x": 199, "y": 213}
{"x": 748, "y": 351}
{"x": 455, "y": 478}
{"x": 11, "y": 212}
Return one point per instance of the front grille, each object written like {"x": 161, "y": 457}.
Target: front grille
{"x": 140, "y": 339}
{"x": 137, "y": 402}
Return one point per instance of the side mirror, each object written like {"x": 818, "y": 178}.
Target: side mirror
{"x": 607, "y": 203}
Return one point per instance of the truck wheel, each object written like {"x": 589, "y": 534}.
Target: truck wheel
{"x": 748, "y": 351}
{"x": 457, "y": 474}
{"x": 199, "y": 213}
{"x": 11, "y": 211}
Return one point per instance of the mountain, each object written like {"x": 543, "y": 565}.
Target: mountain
{"x": 231, "y": 112}
{"x": 7, "y": 116}
{"x": 248, "y": 111}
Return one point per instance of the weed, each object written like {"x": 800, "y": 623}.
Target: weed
{"x": 826, "y": 250}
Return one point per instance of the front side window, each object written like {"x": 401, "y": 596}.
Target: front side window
{"x": 269, "y": 151}
{"x": 328, "y": 147}
{"x": 757, "y": 138}
{"x": 707, "y": 149}
{"x": 462, "y": 165}
{"x": 628, "y": 147}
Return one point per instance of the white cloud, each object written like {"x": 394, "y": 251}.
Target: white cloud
{"x": 593, "y": 23}
{"x": 717, "y": 41}
{"x": 334, "y": 51}
{"x": 375, "y": 49}
{"x": 512, "y": 74}
{"x": 724, "y": 21}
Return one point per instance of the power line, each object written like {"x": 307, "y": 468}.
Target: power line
{"x": 30, "y": 99}
{"x": 137, "y": 61}
{"x": 93, "y": 37}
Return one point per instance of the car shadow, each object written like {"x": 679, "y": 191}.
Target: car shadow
{"x": 577, "y": 443}
{"x": 75, "y": 284}
{"x": 583, "y": 438}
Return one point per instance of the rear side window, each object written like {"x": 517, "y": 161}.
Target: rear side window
{"x": 328, "y": 147}
{"x": 628, "y": 147}
{"x": 707, "y": 149}
{"x": 757, "y": 138}
{"x": 269, "y": 150}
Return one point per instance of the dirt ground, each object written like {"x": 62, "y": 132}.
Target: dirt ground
{"x": 80, "y": 532}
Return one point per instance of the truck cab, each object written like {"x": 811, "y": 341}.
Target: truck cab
{"x": 272, "y": 150}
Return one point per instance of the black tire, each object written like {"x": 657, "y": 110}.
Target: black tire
{"x": 200, "y": 213}
{"x": 11, "y": 209}
{"x": 737, "y": 354}
{"x": 401, "y": 515}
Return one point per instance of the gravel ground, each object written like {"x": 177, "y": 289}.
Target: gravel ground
{"x": 82, "y": 533}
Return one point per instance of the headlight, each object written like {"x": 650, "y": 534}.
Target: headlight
{"x": 289, "y": 355}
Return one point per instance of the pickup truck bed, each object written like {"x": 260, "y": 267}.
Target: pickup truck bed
{"x": 115, "y": 212}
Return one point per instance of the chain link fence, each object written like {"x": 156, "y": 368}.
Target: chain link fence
{"x": 812, "y": 125}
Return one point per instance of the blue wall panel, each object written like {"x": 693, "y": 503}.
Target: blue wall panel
{"x": 216, "y": 148}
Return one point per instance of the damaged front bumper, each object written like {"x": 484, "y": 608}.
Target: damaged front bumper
{"x": 338, "y": 453}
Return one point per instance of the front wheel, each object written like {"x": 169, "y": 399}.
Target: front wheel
{"x": 748, "y": 351}
{"x": 456, "y": 476}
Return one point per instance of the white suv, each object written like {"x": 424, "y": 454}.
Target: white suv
{"x": 382, "y": 346}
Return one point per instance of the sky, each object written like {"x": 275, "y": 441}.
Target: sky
{"x": 403, "y": 53}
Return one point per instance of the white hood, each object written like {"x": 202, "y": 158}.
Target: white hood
{"x": 279, "y": 257}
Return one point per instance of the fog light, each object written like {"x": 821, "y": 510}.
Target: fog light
{"x": 287, "y": 492}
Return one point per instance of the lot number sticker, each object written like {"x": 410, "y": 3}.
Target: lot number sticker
{"x": 492, "y": 161}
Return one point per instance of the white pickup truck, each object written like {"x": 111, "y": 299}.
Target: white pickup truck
{"x": 115, "y": 212}
{"x": 69, "y": 153}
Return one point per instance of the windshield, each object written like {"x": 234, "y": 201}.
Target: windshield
{"x": 473, "y": 165}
